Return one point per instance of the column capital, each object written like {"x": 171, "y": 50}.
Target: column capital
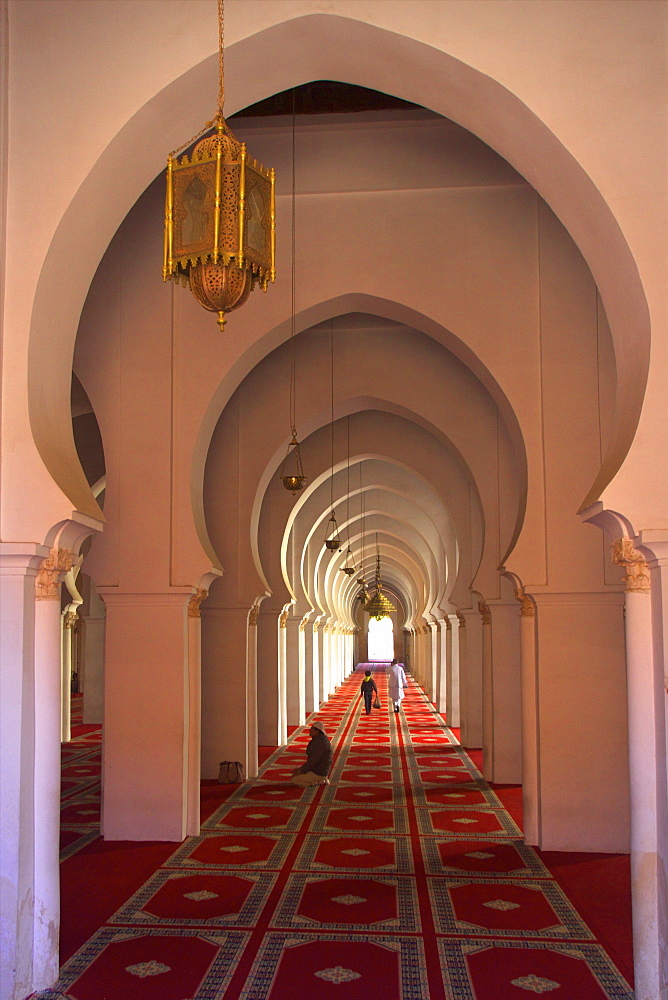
{"x": 195, "y": 602}
{"x": 283, "y": 619}
{"x": 636, "y": 577}
{"x": 461, "y": 618}
{"x": 51, "y": 569}
{"x": 527, "y": 606}
{"x": 254, "y": 614}
{"x": 70, "y": 619}
{"x": 485, "y": 612}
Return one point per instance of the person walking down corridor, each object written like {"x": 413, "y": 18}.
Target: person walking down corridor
{"x": 318, "y": 759}
{"x": 396, "y": 683}
{"x": 368, "y": 689}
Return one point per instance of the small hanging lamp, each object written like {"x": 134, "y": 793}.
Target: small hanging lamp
{"x": 363, "y": 593}
{"x": 332, "y": 540}
{"x": 220, "y": 214}
{"x": 292, "y": 471}
{"x": 348, "y": 569}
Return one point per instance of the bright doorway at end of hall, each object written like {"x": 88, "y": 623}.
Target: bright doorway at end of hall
{"x": 381, "y": 639}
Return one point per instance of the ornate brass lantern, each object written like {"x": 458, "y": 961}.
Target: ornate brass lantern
{"x": 220, "y": 216}
{"x": 378, "y": 606}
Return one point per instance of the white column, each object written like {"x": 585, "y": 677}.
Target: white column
{"x": 312, "y": 686}
{"x": 67, "y": 620}
{"x": 294, "y": 674}
{"x": 432, "y": 652}
{"x": 252, "y": 725}
{"x": 471, "y": 682}
{"x": 194, "y": 713}
{"x": 318, "y": 667}
{"x": 645, "y": 613}
{"x": 93, "y": 656}
{"x": 530, "y": 748}
{"x": 487, "y": 693}
{"x": 452, "y": 654}
{"x": 463, "y": 676}
{"x": 46, "y": 912}
{"x": 20, "y": 782}
{"x": 506, "y": 694}
{"x": 313, "y": 673}
{"x": 441, "y": 700}
{"x": 268, "y": 701}
{"x": 282, "y": 679}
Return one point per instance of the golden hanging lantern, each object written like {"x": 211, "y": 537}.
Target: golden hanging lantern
{"x": 220, "y": 216}
{"x": 378, "y": 606}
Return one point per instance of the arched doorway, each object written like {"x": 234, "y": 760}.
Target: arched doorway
{"x": 381, "y": 639}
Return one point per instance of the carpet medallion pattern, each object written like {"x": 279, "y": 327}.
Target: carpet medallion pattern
{"x": 403, "y": 879}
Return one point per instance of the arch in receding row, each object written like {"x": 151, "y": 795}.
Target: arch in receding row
{"x": 340, "y": 48}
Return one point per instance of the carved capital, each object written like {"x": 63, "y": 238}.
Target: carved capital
{"x": 448, "y": 624}
{"x": 70, "y": 619}
{"x": 302, "y": 625}
{"x": 462, "y": 619}
{"x": 47, "y": 582}
{"x": 195, "y": 602}
{"x": 485, "y": 612}
{"x": 316, "y": 626}
{"x": 283, "y": 619}
{"x": 636, "y": 577}
{"x": 254, "y": 614}
{"x": 527, "y": 607}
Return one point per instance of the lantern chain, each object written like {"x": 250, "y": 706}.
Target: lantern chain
{"x": 293, "y": 364}
{"x": 221, "y": 85}
{"x": 221, "y": 58}
{"x": 331, "y": 487}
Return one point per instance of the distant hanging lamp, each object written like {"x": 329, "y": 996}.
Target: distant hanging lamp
{"x": 220, "y": 214}
{"x": 292, "y": 471}
{"x": 332, "y": 540}
{"x": 378, "y": 606}
{"x": 348, "y": 569}
{"x": 363, "y": 594}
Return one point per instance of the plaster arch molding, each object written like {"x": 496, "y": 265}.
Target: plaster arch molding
{"x": 283, "y": 54}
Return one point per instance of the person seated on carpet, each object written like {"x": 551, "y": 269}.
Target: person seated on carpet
{"x": 368, "y": 687}
{"x": 318, "y": 759}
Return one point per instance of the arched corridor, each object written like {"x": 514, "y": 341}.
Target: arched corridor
{"x": 471, "y": 296}
{"x": 406, "y": 877}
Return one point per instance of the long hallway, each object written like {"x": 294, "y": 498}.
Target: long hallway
{"x": 403, "y": 879}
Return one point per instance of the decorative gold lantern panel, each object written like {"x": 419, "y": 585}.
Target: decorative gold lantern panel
{"x": 220, "y": 222}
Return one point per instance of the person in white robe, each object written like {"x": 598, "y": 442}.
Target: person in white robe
{"x": 396, "y": 683}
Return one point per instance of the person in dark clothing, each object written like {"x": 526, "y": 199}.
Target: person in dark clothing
{"x": 368, "y": 689}
{"x": 318, "y": 759}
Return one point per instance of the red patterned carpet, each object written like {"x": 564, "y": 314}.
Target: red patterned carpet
{"x": 404, "y": 879}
